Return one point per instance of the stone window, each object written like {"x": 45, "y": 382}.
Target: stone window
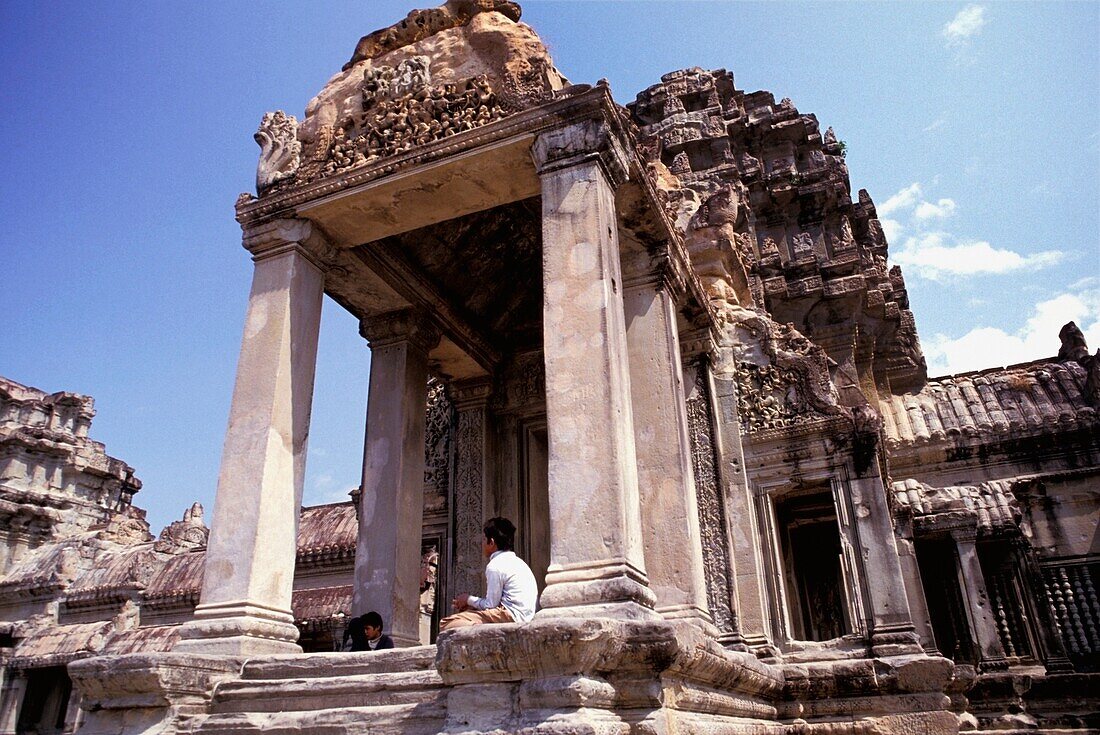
{"x": 939, "y": 573}
{"x": 809, "y": 541}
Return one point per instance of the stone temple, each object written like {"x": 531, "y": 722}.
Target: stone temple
{"x": 664, "y": 339}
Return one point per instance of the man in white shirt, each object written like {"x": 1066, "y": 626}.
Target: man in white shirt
{"x": 510, "y": 589}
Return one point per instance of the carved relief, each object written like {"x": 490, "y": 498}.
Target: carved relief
{"x": 782, "y": 377}
{"x": 184, "y": 535}
{"x": 402, "y": 110}
{"x": 280, "y": 150}
{"x": 438, "y": 427}
{"x": 469, "y": 497}
{"x": 712, "y": 513}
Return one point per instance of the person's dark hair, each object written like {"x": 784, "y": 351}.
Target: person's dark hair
{"x": 502, "y": 531}
{"x": 356, "y": 634}
{"x": 373, "y": 619}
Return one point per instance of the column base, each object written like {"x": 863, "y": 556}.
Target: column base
{"x": 238, "y": 629}
{"x": 898, "y": 640}
{"x": 697, "y": 616}
{"x": 606, "y": 589}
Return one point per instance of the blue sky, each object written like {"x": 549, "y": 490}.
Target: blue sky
{"x": 128, "y": 131}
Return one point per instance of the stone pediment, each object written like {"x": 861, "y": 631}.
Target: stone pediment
{"x": 436, "y": 74}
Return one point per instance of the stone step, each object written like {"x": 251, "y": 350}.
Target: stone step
{"x": 318, "y": 665}
{"x": 426, "y": 718}
{"x": 328, "y": 692}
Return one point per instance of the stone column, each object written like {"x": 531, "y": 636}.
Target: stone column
{"x": 471, "y": 397}
{"x": 983, "y": 626}
{"x": 914, "y": 587}
{"x": 666, "y": 483}
{"x": 391, "y": 508}
{"x": 248, "y": 577}
{"x": 596, "y": 557}
{"x": 746, "y": 537}
{"x": 892, "y": 628}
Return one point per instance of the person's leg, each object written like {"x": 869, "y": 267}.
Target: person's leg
{"x": 474, "y": 617}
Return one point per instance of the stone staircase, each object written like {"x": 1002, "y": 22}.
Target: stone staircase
{"x": 396, "y": 691}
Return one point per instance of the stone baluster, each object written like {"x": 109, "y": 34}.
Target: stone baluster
{"x": 597, "y": 564}
{"x": 391, "y": 511}
{"x": 244, "y": 607}
{"x": 1093, "y": 601}
{"x": 471, "y": 494}
{"x": 1073, "y": 611}
{"x": 983, "y": 625}
{"x": 1061, "y": 608}
{"x": 1001, "y": 613}
{"x": 1086, "y": 595}
{"x": 666, "y": 484}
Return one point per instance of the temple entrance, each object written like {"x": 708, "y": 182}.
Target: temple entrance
{"x": 534, "y": 500}
{"x": 810, "y": 539}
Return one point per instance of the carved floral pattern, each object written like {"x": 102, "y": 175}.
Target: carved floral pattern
{"x": 469, "y": 497}
{"x": 438, "y": 427}
{"x": 712, "y": 513}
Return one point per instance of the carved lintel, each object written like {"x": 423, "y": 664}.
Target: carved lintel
{"x": 406, "y": 325}
{"x": 279, "y": 236}
{"x": 582, "y": 142}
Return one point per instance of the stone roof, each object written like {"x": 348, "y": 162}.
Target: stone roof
{"x": 991, "y": 505}
{"x": 147, "y": 639}
{"x": 181, "y": 576}
{"x": 325, "y": 530}
{"x": 1041, "y": 397}
{"x": 315, "y": 607}
{"x": 59, "y": 644}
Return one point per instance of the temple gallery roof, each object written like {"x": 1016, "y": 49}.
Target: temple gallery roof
{"x": 1034, "y": 398}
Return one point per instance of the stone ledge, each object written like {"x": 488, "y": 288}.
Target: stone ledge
{"x": 558, "y": 647}
{"x": 150, "y": 680}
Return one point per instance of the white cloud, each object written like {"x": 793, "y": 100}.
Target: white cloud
{"x": 1037, "y": 338}
{"x": 937, "y": 256}
{"x": 935, "y": 125}
{"x": 966, "y": 24}
{"x": 892, "y": 229}
{"x": 907, "y": 198}
{"x": 941, "y": 209}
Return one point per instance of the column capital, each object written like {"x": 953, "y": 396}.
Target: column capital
{"x": 280, "y": 236}
{"x": 582, "y": 142}
{"x": 472, "y": 393}
{"x": 965, "y": 531}
{"x": 698, "y": 343}
{"x": 407, "y": 325}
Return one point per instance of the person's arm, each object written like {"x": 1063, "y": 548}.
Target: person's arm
{"x": 494, "y": 589}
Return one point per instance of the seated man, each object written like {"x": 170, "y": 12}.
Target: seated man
{"x": 364, "y": 633}
{"x": 372, "y": 627}
{"x": 510, "y": 589}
